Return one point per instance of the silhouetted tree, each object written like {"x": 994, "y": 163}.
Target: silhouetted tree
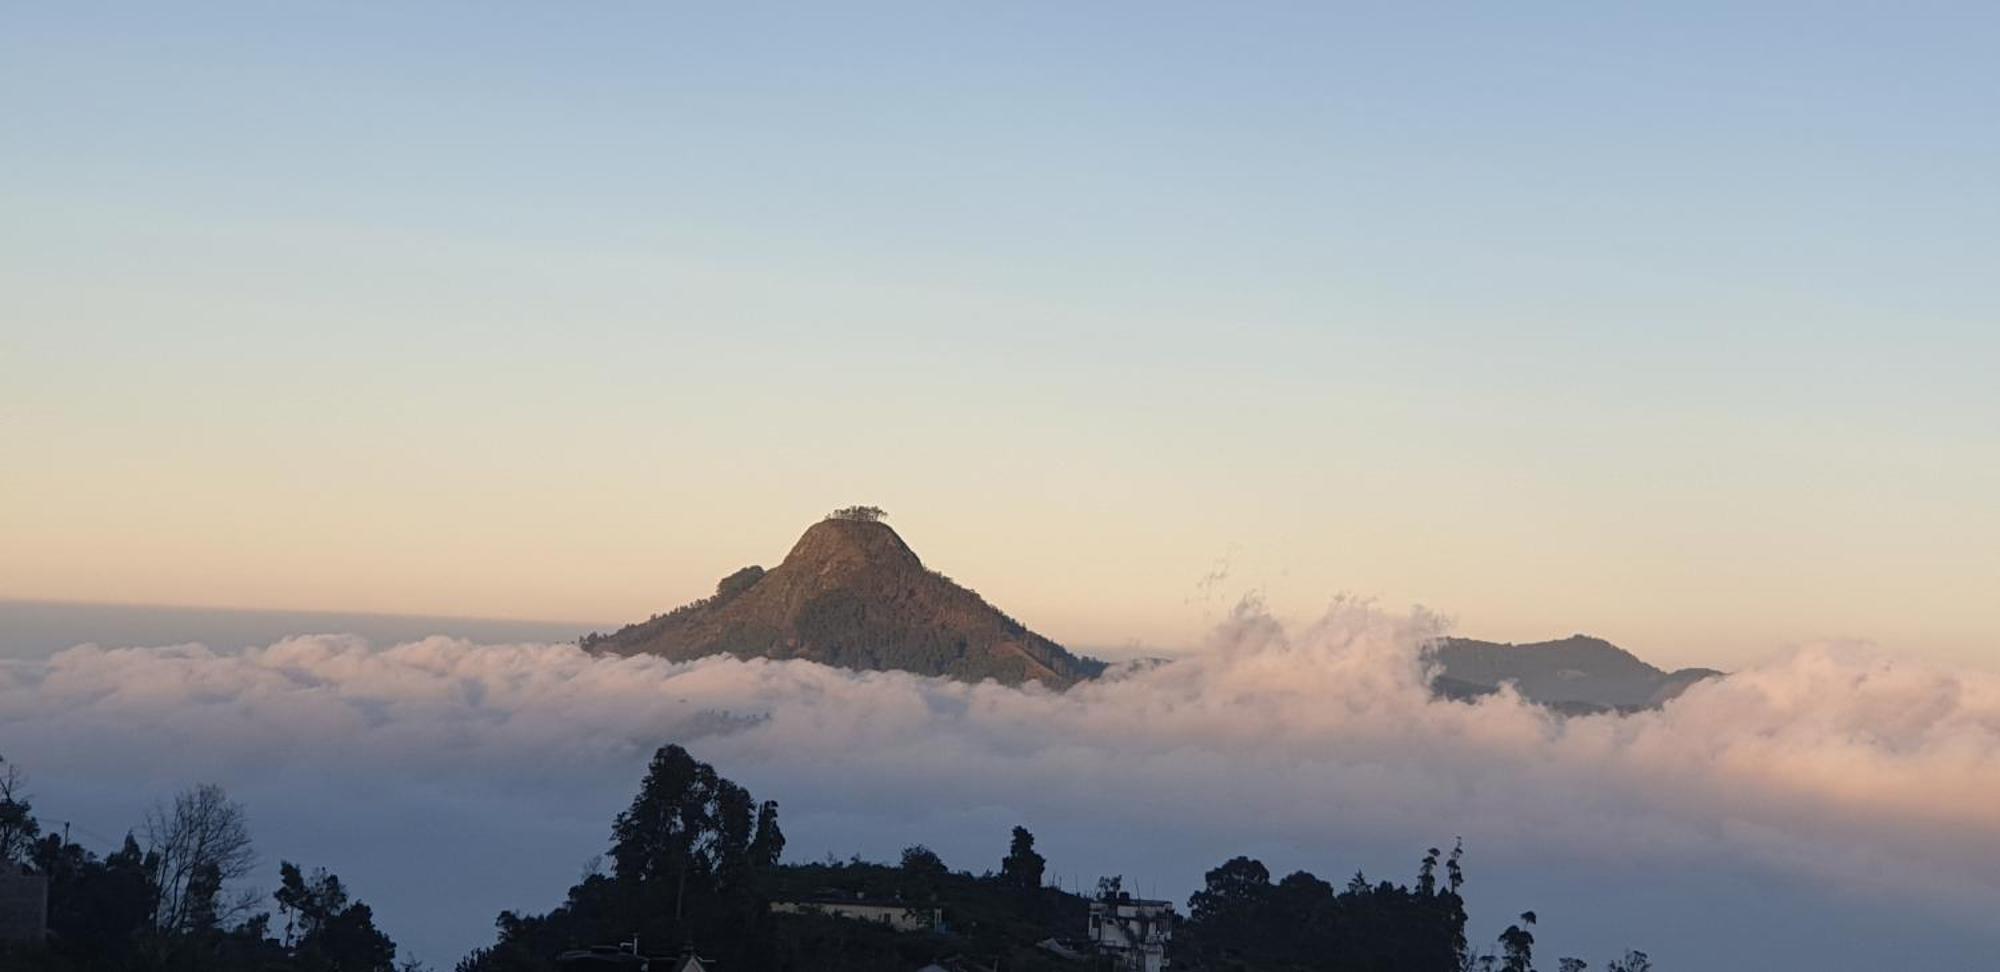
{"x": 1239, "y": 885}
{"x": 1022, "y": 867}
{"x": 1634, "y": 961}
{"x": 689, "y": 859}
{"x": 108, "y": 914}
{"x": 98, "y": 910}
{"x": 1517, "y": 946}
{"x": 670, "y": 833}
{"x": 307, "y": 903}
{"x": 18, "y": 826}
{"x": 768, "y": 846}
{"x": 202, "y": 900}
{"x": 863, "y": 514}
{"x": 195, "y": 845}
{"x": 348, "y": 941}
{"x": 1225, "y": 912}
{"x": 1241, "y": 920}
{"x": 921, "y": 861}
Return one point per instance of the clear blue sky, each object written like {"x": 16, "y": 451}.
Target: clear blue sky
{"x": 1672, "y": 324}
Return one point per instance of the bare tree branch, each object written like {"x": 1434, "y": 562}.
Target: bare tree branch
{"x": 18, "y": 828}
{"x": 202, "y": 840}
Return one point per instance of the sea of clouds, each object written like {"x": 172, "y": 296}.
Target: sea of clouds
{"x": 1834, "y": 807}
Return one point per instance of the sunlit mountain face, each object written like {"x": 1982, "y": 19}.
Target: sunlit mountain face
{"x": 852, "y": 594}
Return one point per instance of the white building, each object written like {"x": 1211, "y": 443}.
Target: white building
{"x": 895, "y": 914}
{"x": 1133, "y": 932}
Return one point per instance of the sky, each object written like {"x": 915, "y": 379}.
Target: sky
{"x": 1669, "y": 325}
{"x": 1164, "y": 326}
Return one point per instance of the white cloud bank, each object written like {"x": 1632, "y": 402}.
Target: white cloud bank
{"x": 1837, "y": 800}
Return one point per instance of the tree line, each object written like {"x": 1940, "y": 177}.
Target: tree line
{"x": 1242, "y": 920}
{"x": 169, "y": 899}
{"x": 695, "y": 860}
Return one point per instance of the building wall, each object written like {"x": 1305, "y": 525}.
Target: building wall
{"x": 899, "y": 917}
{"x": 1135, "y": 934}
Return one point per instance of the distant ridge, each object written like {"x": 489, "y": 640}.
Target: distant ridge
{"x": 852, "y": 594}
{"x": 1577, "y": 675}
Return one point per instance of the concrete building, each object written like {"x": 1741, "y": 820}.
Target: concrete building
{"x": 24, "y": 905}
{"x": 895, "y": 914}
{"x": 1133, "y": 932}
{"x": 626, "y": 958}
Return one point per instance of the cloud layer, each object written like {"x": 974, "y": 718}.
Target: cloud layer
{"x": 1837, "y": 795}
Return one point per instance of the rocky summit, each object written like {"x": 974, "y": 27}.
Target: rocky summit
{"x": 852, "y": 594}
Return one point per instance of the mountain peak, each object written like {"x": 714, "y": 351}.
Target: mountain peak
{"x": 835, "y": 544}
{"x": 852, "y": 594}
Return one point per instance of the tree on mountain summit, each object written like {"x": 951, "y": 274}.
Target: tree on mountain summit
{"x": 859, "y": 514}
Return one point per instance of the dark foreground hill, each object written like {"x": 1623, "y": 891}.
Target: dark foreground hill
{"x": 1578, "y": 674}
{"x": 853, "y": 595}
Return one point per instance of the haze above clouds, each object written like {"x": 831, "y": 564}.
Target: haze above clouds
{"x": 1670, "y": 324}
{"x": 1831, "y": 804}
